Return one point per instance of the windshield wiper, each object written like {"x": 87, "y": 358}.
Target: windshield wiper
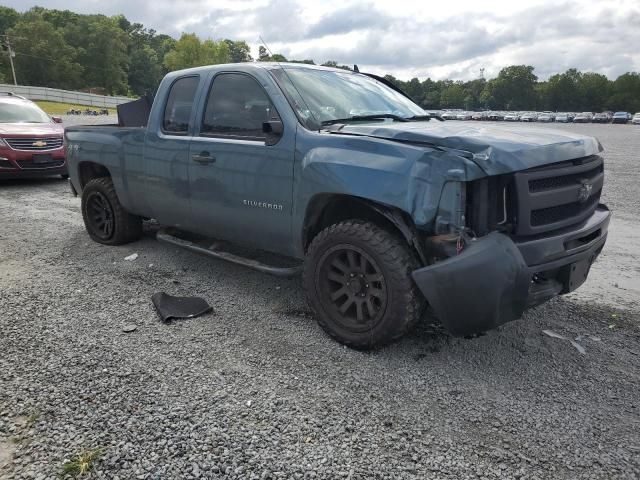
{"x": 417, "y": 118}
{"x": 355, "y": 118}
{"x": 380, "y": 116}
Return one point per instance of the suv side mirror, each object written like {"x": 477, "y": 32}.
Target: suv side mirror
{"x": 273, "y": 130}
{"x": 56, "y": 119}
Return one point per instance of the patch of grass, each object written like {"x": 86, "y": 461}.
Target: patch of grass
{"x": 33, "y": 418}
{"x": 59, "y": 108}
{"x": 82, "y": 464}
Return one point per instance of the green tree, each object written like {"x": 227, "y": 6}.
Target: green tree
{"x": 8, "y": 18}
{"x": 146, "y": 50}
{"x": 334, "y": 64}
{"x": 563, "y": 92}
{"x": 43, "y": 58}
{"x": 453, "y": 96}
{"x": 514, "y": 88}
{"x": 487, "y": 100}
{"x": 626, "y": 93}
{"x": 102, "y": 48}
{"x": 239, "y": 51}
{"x": 189, "y": 52}
{"x": 430, "y": 94}
{"x": 145, "y": 71}
{"x": 474, "y": 90}
{"x": 413, "y": 88}
{"x": 595, "y": 90}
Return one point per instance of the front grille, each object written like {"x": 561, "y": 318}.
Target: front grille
{"x": 566, "y": 180}
{"x": 29, "y": 165}
{"x": 34, "y": 144}
{"x": 557, "y": 196}
{"x": 558, "y": 213}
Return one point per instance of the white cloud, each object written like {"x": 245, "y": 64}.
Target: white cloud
{"x": 451, "y": 39}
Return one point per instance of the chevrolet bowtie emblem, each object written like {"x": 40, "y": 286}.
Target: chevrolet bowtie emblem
{"x": 39, "y": 143}
{"x": 585, "y": 191}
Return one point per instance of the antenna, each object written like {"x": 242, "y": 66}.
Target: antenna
{"x": 482, "y": 72}
{"x": 291, "y": 81}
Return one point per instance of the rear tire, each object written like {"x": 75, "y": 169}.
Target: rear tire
{"x": 357, "y": 278}
{"x": 105, "y": 219}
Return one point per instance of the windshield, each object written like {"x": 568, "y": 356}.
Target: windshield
{"x": 324, "y": 95}
{"x": 22, "y": 113}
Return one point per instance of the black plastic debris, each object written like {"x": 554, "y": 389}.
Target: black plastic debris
{"x": 170, "y": 307}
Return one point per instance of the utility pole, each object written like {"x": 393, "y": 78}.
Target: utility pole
{"x": 7, "y": 42}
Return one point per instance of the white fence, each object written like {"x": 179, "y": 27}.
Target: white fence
{"x": 65, "y": 96}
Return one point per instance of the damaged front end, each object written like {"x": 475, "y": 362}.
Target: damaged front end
{"x": 520, "y": 240}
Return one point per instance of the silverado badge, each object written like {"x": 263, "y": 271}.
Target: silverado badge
{"x": 254, "y": 203}
{"x": 585, "y": 191}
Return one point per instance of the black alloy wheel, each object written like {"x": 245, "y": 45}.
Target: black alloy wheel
{"x": 105, "y": 218}
{"x": 353, "y": 287}
{"x": 357, "y": 279}
{"x": 100, "y": 215}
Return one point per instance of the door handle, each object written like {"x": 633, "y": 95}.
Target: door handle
{"x": 203, "y": 158}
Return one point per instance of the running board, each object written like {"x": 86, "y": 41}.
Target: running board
{"x": 163, "y": 236}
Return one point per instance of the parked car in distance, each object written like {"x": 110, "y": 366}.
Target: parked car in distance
{"x": 387, "y": 211}
{"x": 463, "y": 116}
{"x": 546, "y": 117}
{"x": 584, "y": 117}
{"x": 495, "y": 116}
{"x": 31, "y": 142}
{"x": 529, "y": 117}
{"x": 601, "y": 118}
{"x": 512, "y": 117}
{"x": 636, "y": 119}
{"x": 621, "y": 117}
{"x": 562, "y": 118}
{"x": 450, "y": 115}
{"x": 479, "y": 116}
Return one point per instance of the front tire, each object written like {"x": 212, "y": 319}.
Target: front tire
{"x": 105, "y": 219}
{"x": 357, "y": 278}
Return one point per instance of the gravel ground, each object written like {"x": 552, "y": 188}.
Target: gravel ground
{"x": 256, "y": 390}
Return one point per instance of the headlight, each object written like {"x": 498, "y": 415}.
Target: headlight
{"x": 451, "y": 210}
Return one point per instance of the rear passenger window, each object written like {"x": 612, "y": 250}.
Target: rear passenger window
{"x": 178, "y": 109}
{"x": 237, "y": 107}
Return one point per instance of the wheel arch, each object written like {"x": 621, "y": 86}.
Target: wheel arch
{"x": 88, "y": 170}
{"x": 326, "y": 209}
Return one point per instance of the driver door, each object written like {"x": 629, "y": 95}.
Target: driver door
{"x": 241, "y": 188}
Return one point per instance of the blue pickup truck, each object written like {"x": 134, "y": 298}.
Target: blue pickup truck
{"x": 385, "y": 209}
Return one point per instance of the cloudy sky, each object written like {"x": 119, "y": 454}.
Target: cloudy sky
{"x": 437, "y": 39}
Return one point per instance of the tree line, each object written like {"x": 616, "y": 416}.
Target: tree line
{"x": 111, "y": 55}
{"x": 517, "y": 88}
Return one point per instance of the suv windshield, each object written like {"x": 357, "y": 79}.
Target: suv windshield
{"x": 320, "y": 96}
{"x": 23, "y": 112}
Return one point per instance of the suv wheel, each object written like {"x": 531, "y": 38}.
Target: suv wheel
{"x": 357, "y": 278}
{"x": 105, "y": 219}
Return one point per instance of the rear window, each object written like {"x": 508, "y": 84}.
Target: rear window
{"x": 22, "y": 112}
{"x": 177, "y": 112}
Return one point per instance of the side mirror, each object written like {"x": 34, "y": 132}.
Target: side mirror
{"x": 273, "y": 127}
{"x": 273, "y": 131}
{"x": 56, "y": 119}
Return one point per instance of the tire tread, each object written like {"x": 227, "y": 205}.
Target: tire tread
{"x": 399, "y": 260}
{"x": 128, "y": 227}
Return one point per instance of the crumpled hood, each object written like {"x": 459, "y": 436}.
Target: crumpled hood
{"x": 496, "y": 149}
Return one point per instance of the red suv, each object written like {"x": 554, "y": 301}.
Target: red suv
{"x": 31, "y": 142}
